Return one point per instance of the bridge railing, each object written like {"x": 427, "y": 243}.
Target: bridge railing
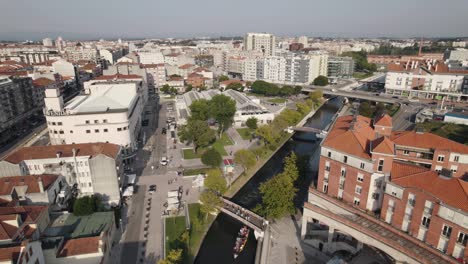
{"x": 246, "y": 214}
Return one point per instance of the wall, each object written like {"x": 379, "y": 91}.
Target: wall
{"x": 105, "y": 178}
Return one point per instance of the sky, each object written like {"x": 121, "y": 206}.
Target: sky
{"x": 93, "y": 19}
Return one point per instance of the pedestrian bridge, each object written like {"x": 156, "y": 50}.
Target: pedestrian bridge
{"x": 247, "y": 217}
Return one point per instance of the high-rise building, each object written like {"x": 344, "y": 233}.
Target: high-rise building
{"x": 59, "y": 44}
{"x": 266, "y": 43}
{"x": 47, "y": 42}
{"x": 340, "y": 67}
{"x": 303, "y": 40}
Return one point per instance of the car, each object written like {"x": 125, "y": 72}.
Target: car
{"x": 152, "y": 188}
{"x": 164, "y": 130}
{"x": 395, "y": 97}
{"x": 163, "y": 161}
{"x": 333, "y": 90}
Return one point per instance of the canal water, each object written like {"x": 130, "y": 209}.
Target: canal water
{"x": 219, "y": 241}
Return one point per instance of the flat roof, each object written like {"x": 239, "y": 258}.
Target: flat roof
{"x": 72, "y": 226}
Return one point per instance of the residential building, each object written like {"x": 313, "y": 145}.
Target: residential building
{"x": 458, "y": 55}
{"x": 272, "y": 69}
{"x": 156, "y": 74}
{"x": 111, "y": 55}
{"x": 304, "y": 41}
{"x": 16, "y": 104}
{"x": 45, "y": 189}
{"x": 340, "y": 67}
{"x": 47, "y": 42}
{"x": 176, "y": 82}
{"x": 127, "y": 68}
{"x": 263, "y": 42}
{"x": 64, "y": 68}
{"x": 204, "y": 60}
{"x": 95, "y": 168}
{"x": 20, "y": 223}
{"x": 151, "y": 57}
{"x": 26, "y": 252}
{"x": 40, "y": 85}
{"x": 109, "y": 110}
{"x": 423, "y": 79}
{"x": 80, "y": 52}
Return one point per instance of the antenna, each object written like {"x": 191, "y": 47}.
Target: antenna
{"x": 420, "y": 47}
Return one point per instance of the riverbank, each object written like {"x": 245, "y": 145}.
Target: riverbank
{"x": 248, "y": 174}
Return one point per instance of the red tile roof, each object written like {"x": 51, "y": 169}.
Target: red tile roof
{"x": 427, "y": 141}
{"x": 42, "y": 82}
{"x": 118, "y": 76}
{"x": 7, "y": 231}
{"x": 186, "y": 66}
{"x": 351, "y": 135}
{"x": 383, "y": 120}
{"x": 32, "y": 181}
{"x": 29, "y": 213}
{"x": 10, "y": 253}
{"x": 45, "y": 152}
{"x": 383, "y": 145}
{"x": 430, "y": 182}
{"x": 152, "y": 65}
{"x": 79, "y": 246}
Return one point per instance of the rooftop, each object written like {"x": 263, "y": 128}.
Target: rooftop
{"x": 79, "y": 246}
{"x": 10, "y": 253}
{"x": 427, "y": 141}
{"x": 7, "y": 184}
{"x": 72, "y": 226}
{"x": 51, "y": 151}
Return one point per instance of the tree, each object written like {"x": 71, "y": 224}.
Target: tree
{"x": 212, "y": 158}
{"x": 321, "y": 80}
{"x": 222, "y": 109}
{"x": 209, "y": 202}
{"x": 290, "y": 116}
{"x": 223, "y": 78}
{"x": 262, "y": 87}
{"x": 286, "y": 90}
{"x": 302, "y": 108}
{"x": 246, "y": 158}
{"x": 215, "y": 181}
{"x": 197, "y": 132}
{"x": 173, "y": 90}
{"x": 266, "y": 133}
{"x": 290, "y": 167}
{"x": 235, "y": 86}
{"x": 173, "y": 257}
{"x": 277, "y": 197}
{"x": 316, "y": 96}
{"x": 165, "y": 88}
{"x": 251, "y": 123}
{"x": 365, "y": 109}
{"x": 85, "y": 205}
{"x": 380, "y": 108}
{"x": 297, "y": 89}
{"x": 200, "y": 110}
{"x": 188, "y": 88}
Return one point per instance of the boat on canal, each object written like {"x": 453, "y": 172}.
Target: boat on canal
{"x": 241, "y": 240}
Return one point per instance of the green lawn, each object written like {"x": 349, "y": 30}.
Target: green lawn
{"x": 218, "y": 145}
{"x": 453, "y": 132}
{"x": 199, "y": 226}
{"x": 277, "y": 100}
{"x": 362, "y": 75}
{"x": 245, "y": 133}
{"x": 175, "y": 226}
{"x": 191, "y": 172}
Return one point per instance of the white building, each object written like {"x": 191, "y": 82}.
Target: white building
{"x": 156, "y": 74}
{"x": 459, "y": 55}
{"x": 95, "y": 168}
{"x": 303, "y": 40}
{"x": 246, "y": 107}
{"x": 109, "y": 111}
{"x": 266, "y": 43}
{"x": 272, "y": 69}
{"x": 110, "y": 55}
{"x": 64, "y": 68}
{"x": 47, "y": 42}
{"x": 151, "y": 57}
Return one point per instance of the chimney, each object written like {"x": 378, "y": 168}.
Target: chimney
{"x": 41, "y": 185}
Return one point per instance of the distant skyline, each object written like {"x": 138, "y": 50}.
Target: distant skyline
{"x": 86, "y": 19}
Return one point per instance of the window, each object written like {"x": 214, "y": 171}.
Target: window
{"x": 343, "y": 172}
{"x": 345, "y": 159}
{"x": 30, "y": 251}
{"x": 327, "y": 166}
{"x": 360, "y": 177}
{"x": 440, "y": 158}
{"x": 96, "y": 130}
{"x": 55, "y": 131}
{"x": 96, "y": 121}
{"x": 362, "y": 165}
{"x": 119, "y": 129}
{"x": 357, "y": 201}
{"x": 456, "y": 158}
{"x": 438, "y": 168}
{"x": 447, "y": 231}
{"x": 61, "y": 132}
{"x": 53, "y": 123}
{"x": 380, "y": 167}
{"x": 406, "y": 152}
{"x": 87, "y": 122}
{"x": 125, "y": 128}
{"x": 329, "y": 154}
{"x": 106, "y": 130}
{"x": 454, "y": 168}
{"x": 71, "y": 131}
{"x": 462, "y": 238}
{"x": 325, "y": 188}
{"x": 426, "y": 221}
{"x": 88, "y": 131}
{"x": 89, "y": 184}
{"x": 104, "y": 121}
{"x": 358, "y": 189}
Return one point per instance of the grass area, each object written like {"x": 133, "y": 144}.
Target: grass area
{"x": 175, "y": 226}
{"x": 218, "y": 145}
{"x": 392, "y": 109}
{"x": 455, "y": 132}
{"x": 191, "y": 172}
{"x": 362, "y": 75}
{"x": 277, "y": 100}
{"x": 245, "y": 133}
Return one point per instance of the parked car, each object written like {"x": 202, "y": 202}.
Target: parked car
{"x": 152, "y": 189}
{"x": 164, "y": 130}
{"x": 163, "y": 161}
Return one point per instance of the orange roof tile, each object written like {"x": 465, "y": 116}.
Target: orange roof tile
{"x": 79, "y": 246}
{"x": 383, "y": 120}
{"x": 383, "y": 145}
{"x": 45, "y": 152}
{"x": 430, "y": 182}
{"x": 186, "y": 66}
{"x": 118, "y": 76}
{"x": 32, "y": 181}
{"x": 10, "y": 253}
{"x": 42, "y": 82}
{"x": 426, "y": 141}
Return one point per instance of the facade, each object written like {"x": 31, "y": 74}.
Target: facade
{"x": 272, "y": 69}
{"x": 156, "y": 74}
{"x": 47, "y": 42}
{"x": 110, "y": 110}
{"x": 426, "y": 80}
{"x": 366, "y": 167}
{"x": 263, "y": 42}
{"x": 79, "y": 52}
{"x": 16, "y": 104}
{"x": 459, "y": 55}
{"x": 95, "y": 168}
{"x": 27, "y": 252}
{"x": 151, "y": 57}
{"x": 340, "y": 67}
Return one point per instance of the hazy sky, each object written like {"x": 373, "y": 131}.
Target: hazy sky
{"x": 33, "y": 19}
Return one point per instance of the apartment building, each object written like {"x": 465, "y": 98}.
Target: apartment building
{"x": 151, "y": 57}
{"x": 156, "y": 74}
{"x": 109, "y": 110}
{"x": 95, "y": 168}
{"x": 80, "y": 52}
{"x": 272, "y": 69}
{"x": 263, "y": 42}
{"x": 111, "y": 55}
{"x": 412, "y": 180}
{"x": 27, "y": 252}
{"x": 425, "y": 79}
{"x": 340, "y": 67}
{"x": 16, "y": 104}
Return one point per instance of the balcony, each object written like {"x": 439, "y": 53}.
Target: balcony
{"x": 341, "y": 186}
{"x": 428, "y": 211}
{"x": 325, "y": 180}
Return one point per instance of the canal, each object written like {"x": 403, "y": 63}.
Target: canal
{"x": 219, "y": 241}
